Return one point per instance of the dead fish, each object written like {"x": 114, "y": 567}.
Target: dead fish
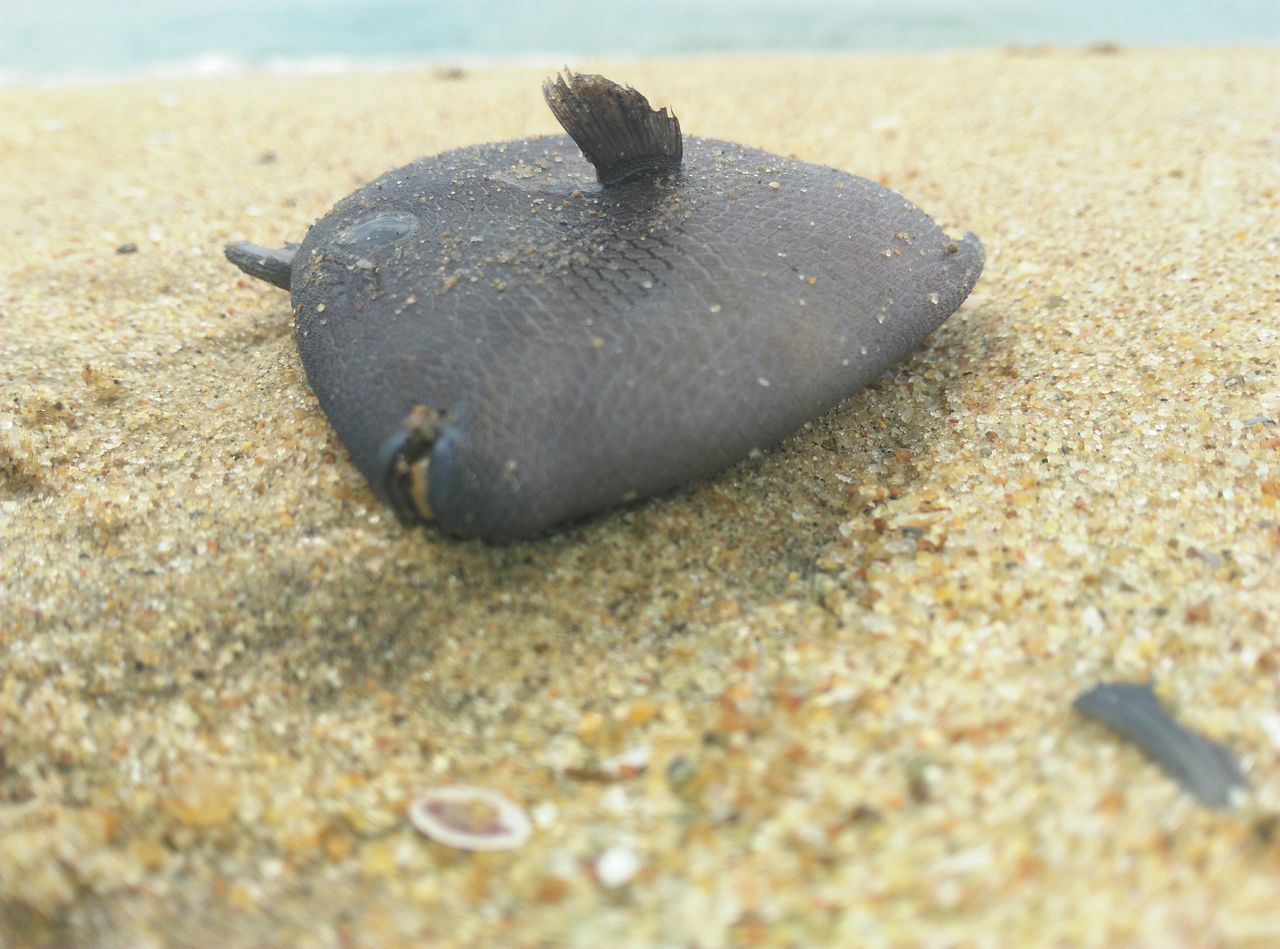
{"x": 507, "y": 337}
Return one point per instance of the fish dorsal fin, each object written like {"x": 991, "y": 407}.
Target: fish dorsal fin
{"x": 615, "y": 127}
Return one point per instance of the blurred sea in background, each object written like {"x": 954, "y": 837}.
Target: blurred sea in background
{"x": 75, "y": 40}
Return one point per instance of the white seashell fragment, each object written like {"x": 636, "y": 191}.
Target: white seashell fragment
{"x": 617, "y": 866}
{"x": 470, "y": 818}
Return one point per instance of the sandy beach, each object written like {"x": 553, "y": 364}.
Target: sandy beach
{"x": 825, "y": 698}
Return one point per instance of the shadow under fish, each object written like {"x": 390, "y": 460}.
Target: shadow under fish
{"x": 507, "y": 337}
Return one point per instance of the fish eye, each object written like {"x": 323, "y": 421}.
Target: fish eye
{"x": 382, "y": 228}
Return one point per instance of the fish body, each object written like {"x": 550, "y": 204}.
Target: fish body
{"x": 504, "y": 342}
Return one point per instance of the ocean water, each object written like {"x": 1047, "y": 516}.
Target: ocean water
{"x": 68, "y": 40}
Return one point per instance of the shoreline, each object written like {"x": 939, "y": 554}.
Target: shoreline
{"x": 216, "y": 65}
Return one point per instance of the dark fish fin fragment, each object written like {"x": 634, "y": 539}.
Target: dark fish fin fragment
{"x": 615, "y": 127}
{"x": 1206, "y": 769}
{"x": 273, "y": 266}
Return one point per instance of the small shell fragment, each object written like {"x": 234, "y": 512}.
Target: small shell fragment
{"x": 617, "y": 866}
{"x": 470, "y": 818}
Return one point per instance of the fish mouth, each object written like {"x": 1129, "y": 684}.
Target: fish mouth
{"x": 406, "y": 466}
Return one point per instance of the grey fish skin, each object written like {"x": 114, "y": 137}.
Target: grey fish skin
{"x": 1206, "y": 769}
{"x": 558, "y": 347}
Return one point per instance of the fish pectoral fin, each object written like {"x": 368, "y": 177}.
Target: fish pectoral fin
{"x": 265, "y": 263}
{"x": 615, "y": 127}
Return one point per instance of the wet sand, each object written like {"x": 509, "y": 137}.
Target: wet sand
{"x": 826, "y": 697}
